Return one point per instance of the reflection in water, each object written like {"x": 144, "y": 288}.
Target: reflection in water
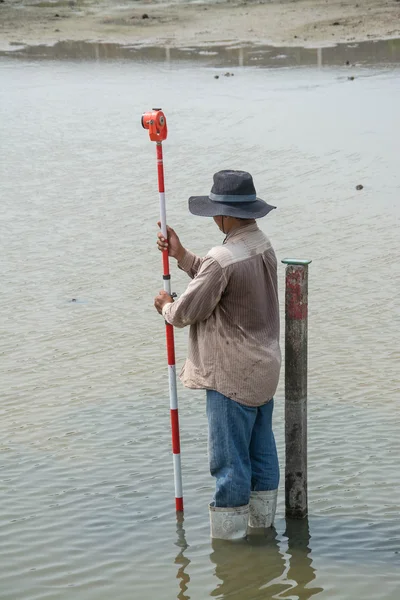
{"x": 251, "y": 568}
{"x": 181, "y": 559}
{"x": 300, "y": 572}
{"x": 258, "y": 569}
{"x": 364, "y": 53}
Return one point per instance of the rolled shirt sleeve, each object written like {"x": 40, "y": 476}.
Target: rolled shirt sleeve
{"x": 201, "y": 296}
{"x": 190, "y": 263}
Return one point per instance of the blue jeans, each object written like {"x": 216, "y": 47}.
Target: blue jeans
{"x": 242, "y": 449}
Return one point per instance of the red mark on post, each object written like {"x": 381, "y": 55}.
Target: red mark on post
{"x": 296, "y": 299}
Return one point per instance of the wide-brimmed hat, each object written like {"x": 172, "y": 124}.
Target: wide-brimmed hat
{"x": 232, "y": 195}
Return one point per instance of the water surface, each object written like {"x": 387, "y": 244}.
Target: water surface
{"x": 86, "y": 487}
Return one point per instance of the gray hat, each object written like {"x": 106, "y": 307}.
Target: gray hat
{"x": 232, "y": 195}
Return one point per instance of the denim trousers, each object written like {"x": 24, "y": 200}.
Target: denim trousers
{"x": 242, "y": 449}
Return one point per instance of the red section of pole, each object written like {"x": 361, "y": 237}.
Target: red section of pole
{"x": 169, "y": 330}
{"x": 165, "y": 262}
{"x": 160, "y": 167}
{"x": 176, "y": 446}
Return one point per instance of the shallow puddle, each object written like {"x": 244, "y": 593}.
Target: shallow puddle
{"x": 365, "y": 53}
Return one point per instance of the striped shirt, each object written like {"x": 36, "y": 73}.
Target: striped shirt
{"x": 231, "y": 305}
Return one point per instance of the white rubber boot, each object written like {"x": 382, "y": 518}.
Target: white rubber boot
{"x": 262, "y": 509}
{"x": 229, "y": 523}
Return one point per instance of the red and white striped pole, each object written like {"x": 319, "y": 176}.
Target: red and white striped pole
{"x": 156, "y": 123}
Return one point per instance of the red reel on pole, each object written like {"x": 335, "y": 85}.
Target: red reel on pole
{"x": 156, "y": 124}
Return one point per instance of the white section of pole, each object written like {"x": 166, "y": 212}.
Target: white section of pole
{"x": 177, "y": 475}
{"x": 173, "y": 394}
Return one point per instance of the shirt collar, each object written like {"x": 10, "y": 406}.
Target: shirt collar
{"x": 240, "y": 231}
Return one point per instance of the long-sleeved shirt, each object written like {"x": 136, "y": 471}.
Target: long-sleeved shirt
{"x": 231, "y": 305}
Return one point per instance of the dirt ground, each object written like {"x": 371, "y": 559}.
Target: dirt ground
{"x": 275, "y": 22}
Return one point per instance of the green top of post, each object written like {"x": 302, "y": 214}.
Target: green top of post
{"x": 296, "y": 261}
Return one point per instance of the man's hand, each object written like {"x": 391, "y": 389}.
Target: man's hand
{"x": 173, "y": 244}
{"x": 161, "y": 300}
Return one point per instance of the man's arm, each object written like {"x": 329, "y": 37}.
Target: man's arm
{"x": 200, "y": 298}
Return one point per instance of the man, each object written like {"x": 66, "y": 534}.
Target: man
{"x": 231, "y": 305}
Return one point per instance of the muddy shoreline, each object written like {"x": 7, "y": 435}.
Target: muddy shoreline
{"x": 307, "y": 23}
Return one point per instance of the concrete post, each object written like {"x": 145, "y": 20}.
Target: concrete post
{"x": 296, "y": 321}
